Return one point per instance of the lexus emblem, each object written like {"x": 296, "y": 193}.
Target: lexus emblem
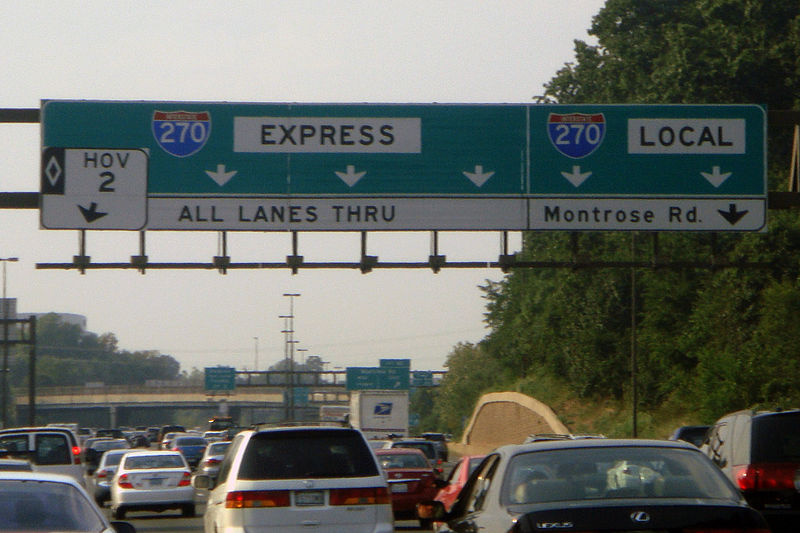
{"x": 640, "y": 517}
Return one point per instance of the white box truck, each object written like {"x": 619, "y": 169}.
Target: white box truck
{"x": 378, "y": 413}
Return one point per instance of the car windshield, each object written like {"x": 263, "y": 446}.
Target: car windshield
{"x": 776, "y": 438}
{"x": 403, "y": 460}
{"x": 143, "y": 462}
{"x": 33, "y": 505}
{"x": 328, "y": 453}
{"x": 612, "y": 472}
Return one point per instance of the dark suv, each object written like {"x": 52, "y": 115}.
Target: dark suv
{"x": 760, "y": 453}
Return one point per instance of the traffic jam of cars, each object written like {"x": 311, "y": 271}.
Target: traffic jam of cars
{"x": 738, "y": 475}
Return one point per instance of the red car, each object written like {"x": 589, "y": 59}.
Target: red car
{"x": 458, "y": 476}
{"x": 411, "y": 480}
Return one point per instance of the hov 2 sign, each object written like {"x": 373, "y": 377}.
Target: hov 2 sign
{"x": 306, "y": 167}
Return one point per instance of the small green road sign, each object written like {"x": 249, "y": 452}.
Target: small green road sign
{"x": 396, "y": 363}
{"x": 220, "y": 378}
{"x": 422, "y": 378}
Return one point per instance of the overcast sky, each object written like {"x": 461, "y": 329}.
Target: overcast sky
{"x": 268, "y": 51}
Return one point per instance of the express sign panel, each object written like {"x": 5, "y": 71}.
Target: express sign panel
{"x": 221, "y": 166}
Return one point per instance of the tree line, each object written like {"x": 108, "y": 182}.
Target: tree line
{"x": 708, "y": 339}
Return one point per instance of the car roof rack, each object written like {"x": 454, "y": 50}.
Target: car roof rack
{"x": 539, "y": 437}
{"x": 301, "y": 423}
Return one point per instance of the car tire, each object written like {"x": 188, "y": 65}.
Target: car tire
{"x": 119, "y": 513}
{"x": 188, "y": 511}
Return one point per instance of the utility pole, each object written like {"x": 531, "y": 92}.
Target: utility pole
{"x": 4, "y": 391}
{"x": 289, "y": 353}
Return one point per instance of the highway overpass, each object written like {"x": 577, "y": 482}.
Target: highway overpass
{"x": 257, "y": 397}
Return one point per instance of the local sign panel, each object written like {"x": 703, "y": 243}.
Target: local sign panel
{"x": 306, "y": 167}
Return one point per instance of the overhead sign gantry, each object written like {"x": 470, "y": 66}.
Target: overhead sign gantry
{"x": 378, "y": 167}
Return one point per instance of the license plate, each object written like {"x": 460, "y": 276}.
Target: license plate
{"x": 309, "y": 497}
{"x": 399, "y": 487}
{"x": 156, "y": 482}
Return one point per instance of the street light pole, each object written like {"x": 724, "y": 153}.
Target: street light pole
{"x": 4, "y": 370}
{"x": 255, "y": 363}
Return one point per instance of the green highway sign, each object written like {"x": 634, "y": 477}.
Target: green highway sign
{"x": 220, "y": 378}
{"x": 404, "y": 364}
{"x": 422, "y": 378}
{"x": 377, "y": 378}
{"x": 306, "y": 167}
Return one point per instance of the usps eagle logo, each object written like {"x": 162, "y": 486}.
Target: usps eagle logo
{"x": 181, "y": 133}
{"x": 383, "y": 409}
{"x": 576, "y": 135}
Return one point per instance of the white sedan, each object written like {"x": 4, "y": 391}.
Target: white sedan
{"x": 37, "y": 501}
{"x": 152, "y": 480}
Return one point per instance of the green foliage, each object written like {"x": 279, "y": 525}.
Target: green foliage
{"x": 707, "y": 340}
{"x": 67, "y": 355}
{"x": 471, "y": 373}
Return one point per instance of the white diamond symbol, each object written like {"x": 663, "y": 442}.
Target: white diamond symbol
{"x": 53, "y": 171}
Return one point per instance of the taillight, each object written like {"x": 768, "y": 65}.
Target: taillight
{"x": 364, "y": 496}
{"x": 768, "y": 477}
{"x": 76, "y": 455}
{"x": 186, "y": 480}
{"x": 248, "y": 499}
{"x": 124, "y": 482}
{"x": 101, "y": 474}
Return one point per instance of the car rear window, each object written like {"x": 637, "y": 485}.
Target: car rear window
{"x": 46, "y": 506}
{"x": 142, "y": 462}
{"x": 218, "y": 448}
{"x": 190, "y": 441}
{"x": 776, "y": 438}
{"x": 613, "y": 472}
{"x": 425, "y": 447}
{"x": 404, "y": 460}
{"x": 52, "y": 449}
{"x": 323, "y": 453}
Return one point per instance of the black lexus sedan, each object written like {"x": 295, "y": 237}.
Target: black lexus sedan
{"x": 597, "y": 485}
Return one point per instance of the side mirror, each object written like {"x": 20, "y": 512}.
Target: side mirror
{"x": 432, "y": 510}
{"x": 202, "y": 482}
{"x": 123, "y": 527}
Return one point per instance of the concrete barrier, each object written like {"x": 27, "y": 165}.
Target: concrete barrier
{"x": 501, "y": 418}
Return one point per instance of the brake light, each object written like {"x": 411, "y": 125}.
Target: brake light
{"x": 767, "y": 477}
{"x": 362, "y": 496}
{"x": 124, "y": 482}
{"x": 248, "y": 499}
{"x": 101, "y": 474}
{"x": 186, "y": 480}
{"x": 76, "y": 455}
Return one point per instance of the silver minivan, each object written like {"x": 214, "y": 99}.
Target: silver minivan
{"x": 48, "y": 449}
{"x": 324, "y": 479}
